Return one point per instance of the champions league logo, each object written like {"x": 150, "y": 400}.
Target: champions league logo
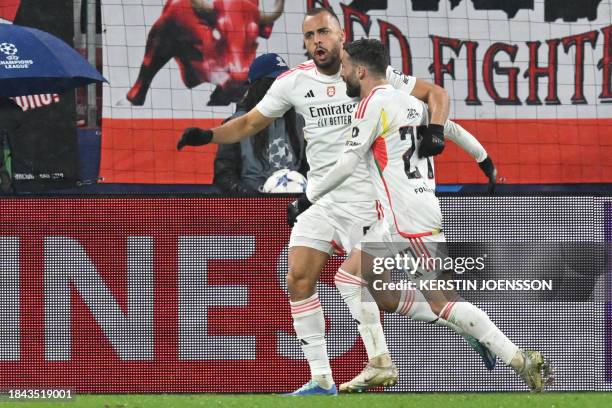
{"x": 8, "y": 49}
{"x": 12, "y": 60}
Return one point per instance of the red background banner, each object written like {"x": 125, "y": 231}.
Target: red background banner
{"x": 187, "y": 295}
{"x": 101, "y": 228}
{"x": 524, "y": 150}
{"x": 144, "y": 151}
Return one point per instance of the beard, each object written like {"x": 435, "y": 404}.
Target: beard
{"x": 333, "y": 58}
{"x": 327, "y": 64}
{"x": 353, "y": 90}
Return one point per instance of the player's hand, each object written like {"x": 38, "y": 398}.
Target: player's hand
{"x": 488, "y": 168}
{"x": 296, "y": 208}
{"x": 194, "y": 136}
{"x": 432, "y": 142}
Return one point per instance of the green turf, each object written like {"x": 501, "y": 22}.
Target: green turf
{"x": 437, "y": 400}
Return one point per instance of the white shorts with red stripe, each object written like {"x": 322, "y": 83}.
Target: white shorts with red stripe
{"x": 325, "y": 222}
{"x": 383, "y": 241}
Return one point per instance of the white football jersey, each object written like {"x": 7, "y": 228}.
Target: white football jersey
{"x": 327, "y": 111}
{"x": 386, "y": 132}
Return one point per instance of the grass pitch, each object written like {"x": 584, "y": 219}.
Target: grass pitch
{"x": 437, "y": 400}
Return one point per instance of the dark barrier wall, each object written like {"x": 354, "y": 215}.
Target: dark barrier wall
{"x": 45, "y": 151}
{"x": 188, "y": 295}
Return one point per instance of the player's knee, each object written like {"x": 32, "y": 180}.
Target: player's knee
{"x": 300, "y": 284}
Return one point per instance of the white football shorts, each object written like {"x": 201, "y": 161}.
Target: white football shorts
{"x": 325, "y": 221}
{"x": 429, "y": 251}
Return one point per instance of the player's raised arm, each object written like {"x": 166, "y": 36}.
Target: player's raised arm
{"x": 438, "y": 105}
{"x": 399, "y": 81}
{"x": 436, "y": 98}
{"x": 465, "y": 140}
{"x": 472, "y": 146}
{"x": 230, "y": 132}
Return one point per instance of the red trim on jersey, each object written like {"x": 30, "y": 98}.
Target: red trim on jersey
{"x": 379, "y": 150}
{"x": 361, "y": 108}
{"x": 302, "y": 67}
{"x": 379, "y": 210}
{"x": 307, "y": 64}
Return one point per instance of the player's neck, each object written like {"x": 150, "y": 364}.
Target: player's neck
{"x": 367, "y": 84}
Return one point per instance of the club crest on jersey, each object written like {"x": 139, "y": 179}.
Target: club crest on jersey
{"x": 331, "y": 91}
{"x": 412, "y": 114}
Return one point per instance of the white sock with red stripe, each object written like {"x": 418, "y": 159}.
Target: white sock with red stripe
{"x": 309, "y": 325}
{"x": 476, "y": 323}
{"x": 413, "y": 305}
{"x": 364, "y": 310}
{"x": 412, "y": 302}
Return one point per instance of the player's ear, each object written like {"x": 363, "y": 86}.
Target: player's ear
{"x": 361, "y": 71}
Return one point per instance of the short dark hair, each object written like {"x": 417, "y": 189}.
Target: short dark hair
{"x": 314, "y": 11}
{"x": 371, "y": 53}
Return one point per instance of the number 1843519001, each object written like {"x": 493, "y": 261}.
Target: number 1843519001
{"x": 39, "y": 394}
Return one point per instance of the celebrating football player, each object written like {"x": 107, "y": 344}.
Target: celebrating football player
{"x": 317, "y": 91}
{"x": 385, "y": 136}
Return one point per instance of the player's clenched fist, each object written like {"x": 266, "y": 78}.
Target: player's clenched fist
{"x": 194, "y": 136}
{"x": 432, "y": 142}
{"x": 296, "y": 208}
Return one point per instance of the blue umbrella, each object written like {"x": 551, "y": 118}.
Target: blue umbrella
{"x": 34, "y": 62}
